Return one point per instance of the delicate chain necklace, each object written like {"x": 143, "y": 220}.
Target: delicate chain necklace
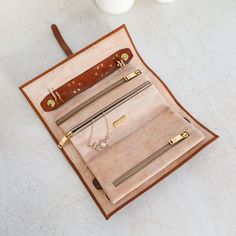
{"x": 102, "y": 143}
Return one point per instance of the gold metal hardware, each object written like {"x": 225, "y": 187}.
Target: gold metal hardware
{"x": 51, "y": 90}
{"x": 124, "y": 56}
{"x": 65, "y": 139}
{"x": 58, "y": 95}
{"x": 120, "y": 63}
{"x": 51, "y": 103}
{"x": 132, "y": 75}
{"x": 178, "y": 138}
{"x": 119, "y": 121}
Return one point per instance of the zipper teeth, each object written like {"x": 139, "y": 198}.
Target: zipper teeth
{"x": 89, "y": 101}
{"x": 83, "y": 125}
{"x": 138, "y": 167}
{"x": 141, "y": 165}
{"x": 98, "y": 95}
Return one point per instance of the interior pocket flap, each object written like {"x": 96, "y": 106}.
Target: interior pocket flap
{"x": 124, "y": 155}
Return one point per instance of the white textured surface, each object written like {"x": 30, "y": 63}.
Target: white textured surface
{"x": 192, "y": 46}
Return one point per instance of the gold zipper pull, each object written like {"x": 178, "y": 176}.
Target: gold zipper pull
{"x": 132, "y": 75}
{"x": 65, "y": 139}
{"x": 178, "y": 138}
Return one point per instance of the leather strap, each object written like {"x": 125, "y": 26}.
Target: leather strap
{"x": 60, "y": 40}
{"x": 87, "y": 79}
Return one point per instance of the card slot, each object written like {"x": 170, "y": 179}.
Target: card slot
{"x": 108, "y": 166}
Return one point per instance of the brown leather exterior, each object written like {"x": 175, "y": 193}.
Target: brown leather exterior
{"x": 60, "y": 40}
{"x": 107, "y": 216}
{"x": 85, "y": 80}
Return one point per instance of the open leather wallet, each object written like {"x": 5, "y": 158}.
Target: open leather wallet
{"x": 114, "y": 119}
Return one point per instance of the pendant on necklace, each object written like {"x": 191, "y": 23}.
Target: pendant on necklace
{"x": 103, "y": 144}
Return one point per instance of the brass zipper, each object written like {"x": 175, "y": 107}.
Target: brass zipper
{"x": 98, "y": 95}
{"x": 86, "y": 123}
{"x": 172, "y": 142}
{"x": 67, "y": 136}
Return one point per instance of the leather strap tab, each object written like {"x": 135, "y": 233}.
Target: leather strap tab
{"x": 60, "y": 40}
{"x": 87, "y": 79}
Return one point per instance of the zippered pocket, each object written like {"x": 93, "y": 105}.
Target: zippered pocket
{"x": 148, "y": 160}
{"x": 139, "y": 109}
{"x": 143, "y": 154}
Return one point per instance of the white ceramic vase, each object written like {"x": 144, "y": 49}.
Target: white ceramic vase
{"x": 114, "y": 6}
